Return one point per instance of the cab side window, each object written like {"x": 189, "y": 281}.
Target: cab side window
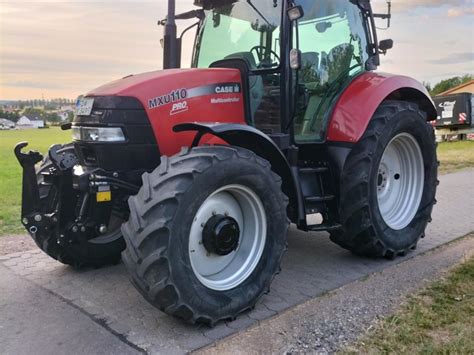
{"x": 333, "y": 43}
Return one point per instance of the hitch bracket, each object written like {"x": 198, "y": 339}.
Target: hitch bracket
{"x": 30, "y": 191}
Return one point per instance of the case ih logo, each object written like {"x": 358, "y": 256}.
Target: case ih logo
{"x": 228, "y": 89}
{"x": 173, "y": 96}
{"x": 182, "y": 94}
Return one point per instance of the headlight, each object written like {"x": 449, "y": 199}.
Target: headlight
{"x": 98, "y": 134}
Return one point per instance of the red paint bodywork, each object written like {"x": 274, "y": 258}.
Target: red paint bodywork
{"x": 348, "y": 121}
{"x": 361, "y": 99}
{"x": 199, "y": 109}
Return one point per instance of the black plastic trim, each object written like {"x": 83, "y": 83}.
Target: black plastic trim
{"x": 139, "y": 151}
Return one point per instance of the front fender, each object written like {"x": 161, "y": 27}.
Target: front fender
{"x": 252, "y": 139}
{"x": 360, "y": 100}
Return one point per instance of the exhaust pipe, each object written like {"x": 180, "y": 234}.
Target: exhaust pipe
{"x": 171, "y": 45}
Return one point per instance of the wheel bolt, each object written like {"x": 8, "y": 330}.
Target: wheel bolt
{"x": 83, "y": 229}
{"x": 74, "y": 229}
{"x": 38, "y": 218}
{"x": 25, "y": 220}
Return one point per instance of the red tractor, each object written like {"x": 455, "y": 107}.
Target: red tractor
{"x": 193, "y": 176}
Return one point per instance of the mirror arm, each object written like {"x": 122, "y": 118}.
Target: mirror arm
{"x": 387, "y": 16}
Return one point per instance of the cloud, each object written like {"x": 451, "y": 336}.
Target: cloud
{"x": 73, "y": 46}
{"x": 431, "y": 3}
{"x": 459, "y": 11}
{"x": 455, "y": 58}
{"x": 404, "y": 5}
{"x": 34, "y": 84}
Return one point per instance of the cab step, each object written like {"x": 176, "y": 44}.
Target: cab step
{"x": 317, "y": 170}
{"x": 314, "y": 199}
{"x": 324, "y": 227}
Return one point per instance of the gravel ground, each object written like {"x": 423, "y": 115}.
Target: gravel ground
{"x": 16, "y": 243}
{"x": 329, "y": 323}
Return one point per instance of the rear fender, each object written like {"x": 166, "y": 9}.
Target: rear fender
{"x": 358, "y": 103}
{"x": 252, "y": 139}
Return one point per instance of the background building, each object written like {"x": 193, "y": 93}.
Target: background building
{"x": 466, "y": 87}
{"x": 27, "y": 122}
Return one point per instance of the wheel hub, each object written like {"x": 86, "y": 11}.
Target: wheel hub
{"x": 383, "y": 178}
{"x": 227, "y": 237}
{"x": 221, "y": 235}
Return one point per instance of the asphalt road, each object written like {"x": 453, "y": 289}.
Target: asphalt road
{"x": 329, "y": 323}
{"x": 50, "y": 308}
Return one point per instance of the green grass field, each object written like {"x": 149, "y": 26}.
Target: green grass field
{"x": 453, "y": 156}
{"x": 10, "y": 171}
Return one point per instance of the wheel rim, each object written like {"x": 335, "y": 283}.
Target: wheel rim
{"x": 400, "y": 181}
{"x": 224, "y": 272}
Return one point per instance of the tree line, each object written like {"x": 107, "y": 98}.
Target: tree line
{"x": 445, "y": 85}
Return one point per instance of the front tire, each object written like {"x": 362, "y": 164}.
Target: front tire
{"x": 176, "y": 254}
{"x": 388, "y": 185}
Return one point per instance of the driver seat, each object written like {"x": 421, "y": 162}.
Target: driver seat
{"x": 252, "y": 84}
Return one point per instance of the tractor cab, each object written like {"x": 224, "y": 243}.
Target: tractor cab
{"x": 335, "y": 43}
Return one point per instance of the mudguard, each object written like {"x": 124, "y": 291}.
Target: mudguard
{"x": 252, "y": 139}
{"x": 358, "y": 103}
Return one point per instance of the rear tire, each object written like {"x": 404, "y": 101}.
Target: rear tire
{"x": 162, "y": 243}
{"x": 388, "y": 185}
{"x": 102, "y": 250}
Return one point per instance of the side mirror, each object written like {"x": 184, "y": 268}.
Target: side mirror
{"x": 385, "y": 45}
{"x": 295, "y": 13}
{"x": 295, "y": 59}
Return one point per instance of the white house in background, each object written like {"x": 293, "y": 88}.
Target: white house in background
{"x": 6, "y": 124}
{"x": 27, "y": 122}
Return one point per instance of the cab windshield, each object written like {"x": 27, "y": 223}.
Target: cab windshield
{"x": 244, "y": 29}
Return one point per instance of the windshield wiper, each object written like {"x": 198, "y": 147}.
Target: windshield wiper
{"x": 259, "y": 13}
{"x": 199, "y": 14}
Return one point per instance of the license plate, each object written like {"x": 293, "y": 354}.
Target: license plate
{"x": 84, "y": 106}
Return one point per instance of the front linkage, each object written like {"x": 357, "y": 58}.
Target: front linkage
{"x": 60, "y": 212}
{"x": 34, "y": 217}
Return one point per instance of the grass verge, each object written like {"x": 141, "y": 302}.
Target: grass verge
{"x": 455, "y": 156}
{"x": 438, "y": 320}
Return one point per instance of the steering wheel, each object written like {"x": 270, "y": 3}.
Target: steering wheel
{"x": 260, "y": 51}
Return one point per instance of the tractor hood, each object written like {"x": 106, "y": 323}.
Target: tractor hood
{"x": 122, "y": 87}
{"x": 167, "y": 98}
{"x": 153, "y": 88}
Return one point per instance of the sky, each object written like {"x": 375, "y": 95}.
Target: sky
{"x": 64, "y": 48}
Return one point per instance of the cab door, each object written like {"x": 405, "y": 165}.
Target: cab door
{"x": 333, "y": 42}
